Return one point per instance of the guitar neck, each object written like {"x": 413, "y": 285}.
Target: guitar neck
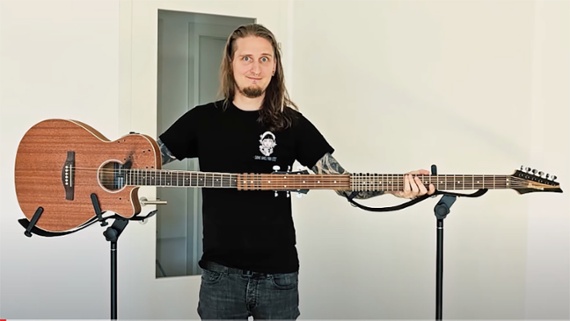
{"x": 293, "y": 181}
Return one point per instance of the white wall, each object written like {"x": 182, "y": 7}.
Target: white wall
{"x": 58, "y": 59}
{"x": 473, "y": 86}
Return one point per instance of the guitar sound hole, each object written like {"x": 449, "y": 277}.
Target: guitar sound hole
{"x": 113, "y": 175}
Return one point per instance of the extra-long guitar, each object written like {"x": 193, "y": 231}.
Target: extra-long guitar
{"x": 60, "y": 164}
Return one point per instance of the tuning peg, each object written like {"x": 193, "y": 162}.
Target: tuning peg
{"x": 276, "y": 194}
{"x": 527, "y": 169}
{"x": 288, "y": 194}
{"x": 276, "y": 168}
{"x": 553, "y": 177}
{"x": 534, "y": 171}
{"x": 541, "y": 174}
{"x": 299, "y": 195}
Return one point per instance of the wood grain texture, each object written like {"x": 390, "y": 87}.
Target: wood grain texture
{"x": 38, "y": 172}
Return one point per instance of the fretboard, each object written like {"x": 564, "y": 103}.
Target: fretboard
{"x": 292, "y": 181}
{"x": 177, "y": 178}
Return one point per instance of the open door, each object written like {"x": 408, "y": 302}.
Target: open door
{"x": 190, "y": 49}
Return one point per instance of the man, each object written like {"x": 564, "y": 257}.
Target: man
{"x": 249, "y": 262}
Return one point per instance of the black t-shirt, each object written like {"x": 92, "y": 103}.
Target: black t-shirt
{"x": 250, "y": 230}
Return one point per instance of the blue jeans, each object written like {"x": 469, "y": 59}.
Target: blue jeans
{"x": 227, "y": 293}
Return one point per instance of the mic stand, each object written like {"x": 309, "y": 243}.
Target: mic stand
{"x": 112, "y": 234}
{"x": 441, "y": 209}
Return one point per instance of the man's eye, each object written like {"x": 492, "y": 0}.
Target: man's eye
{"x": 246, "y": 58}
{"x": 264, "y": 59}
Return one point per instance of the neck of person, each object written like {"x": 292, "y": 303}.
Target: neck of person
{"x": 248, "y": 104}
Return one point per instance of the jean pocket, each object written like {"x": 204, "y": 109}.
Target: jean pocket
{"x": 285, "y": 281}
{"x": 211, "y": 276}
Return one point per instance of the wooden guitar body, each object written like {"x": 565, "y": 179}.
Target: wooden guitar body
{"x": 61, "y": 163}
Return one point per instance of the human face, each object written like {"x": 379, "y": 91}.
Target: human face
{"x": 253, "y": 66}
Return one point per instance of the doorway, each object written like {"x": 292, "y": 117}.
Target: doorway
{"x": 190, "y": 49}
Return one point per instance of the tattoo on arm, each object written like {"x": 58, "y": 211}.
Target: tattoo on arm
{"x": 329, "y": 165}
{"x": 166, "y": 154}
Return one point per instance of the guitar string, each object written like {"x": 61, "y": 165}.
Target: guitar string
{"x": 323, "y": 180}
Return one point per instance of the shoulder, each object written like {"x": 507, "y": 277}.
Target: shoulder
{"x": 293, "y": 114}
{"x": 204, "y": 111}
{"x": 297, "y": 118}
{"x": 215, "y": 106}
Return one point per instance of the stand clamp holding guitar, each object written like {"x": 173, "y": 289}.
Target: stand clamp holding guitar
{"x": 441, "y": 210}
{"x": 111, "y": 234}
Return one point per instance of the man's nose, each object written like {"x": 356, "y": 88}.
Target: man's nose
{"x": 256, "y": 68}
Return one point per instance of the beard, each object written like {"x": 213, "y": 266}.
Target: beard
{"x": 252, "y": 91}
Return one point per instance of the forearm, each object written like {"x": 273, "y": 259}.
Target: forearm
{"x": 167, "y": 156}
{"x": 329, "y": 165}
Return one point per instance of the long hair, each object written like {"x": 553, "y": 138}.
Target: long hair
{"x": 274, "y": 111}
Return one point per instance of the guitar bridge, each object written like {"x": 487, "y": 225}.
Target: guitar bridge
{"x": 68, "y": 176}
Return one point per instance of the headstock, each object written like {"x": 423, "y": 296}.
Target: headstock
{"x": 527, "y": 180}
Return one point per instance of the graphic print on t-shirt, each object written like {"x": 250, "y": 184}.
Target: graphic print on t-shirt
{"x": 267, "y": 143}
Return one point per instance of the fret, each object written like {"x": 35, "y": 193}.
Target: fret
{"x": 210, "y": 179}
{"x": 133, "y": 177}
{"x": 187, "y": 177}
{"x": 167, "y": 178}
{"x": 191, "y": 179}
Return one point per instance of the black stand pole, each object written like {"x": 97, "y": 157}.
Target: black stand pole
{"x": 112, "y": 234}
{"x": 442, "y": 208}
